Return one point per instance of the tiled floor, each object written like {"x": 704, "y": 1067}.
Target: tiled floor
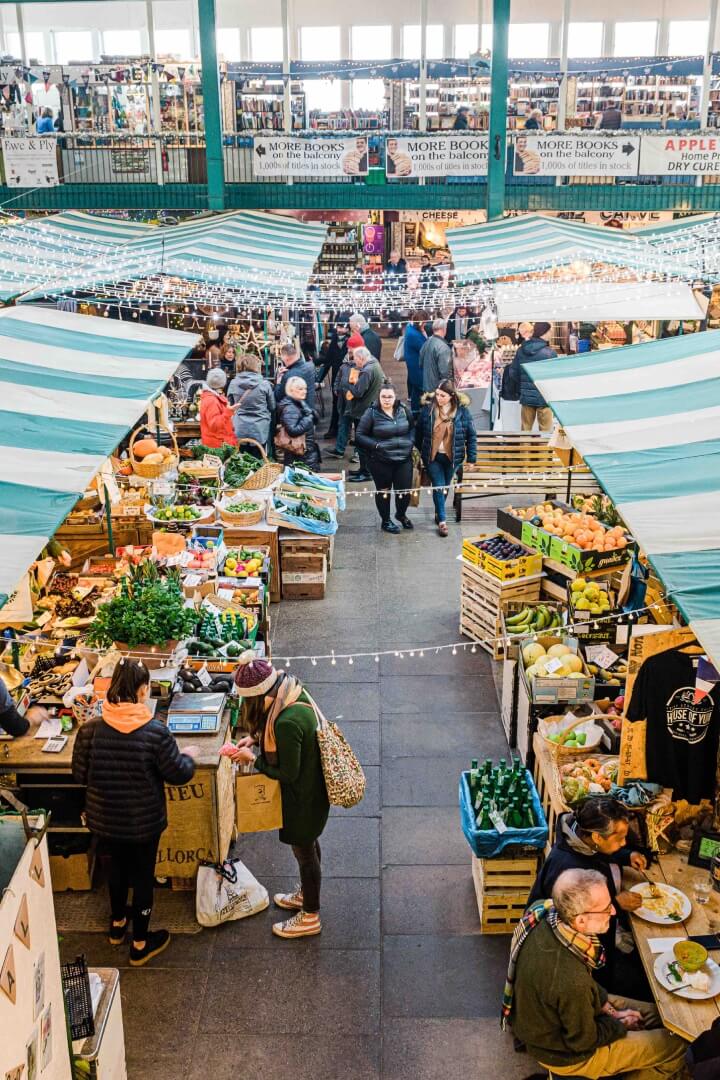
{"x": 400, "y": 984}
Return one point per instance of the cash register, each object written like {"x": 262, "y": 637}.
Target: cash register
{"x": 196, "y": 714}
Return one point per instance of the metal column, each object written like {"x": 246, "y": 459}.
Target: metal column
{"x": 211, "y": 106}
{"x": 562, "y": 93}
{"x": 707, "y": 70}
{"x": 498, "y": 110}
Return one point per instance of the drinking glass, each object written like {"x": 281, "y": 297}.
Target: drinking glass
{"x": 702, "y": 887}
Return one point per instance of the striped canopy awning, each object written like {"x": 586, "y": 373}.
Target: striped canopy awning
{"x": 646, "y": 418}
{"x": 71, "y": 387}
{"x": 239, "y": 250}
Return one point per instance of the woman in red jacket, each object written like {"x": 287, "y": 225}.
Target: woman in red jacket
{"x": 216, "y": 413}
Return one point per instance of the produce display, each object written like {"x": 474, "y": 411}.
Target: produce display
{"x": 191, "y": 683}
{"x": 243, "y": 563}
{"x": 600, "y": 506}
{"x": 238, "y": 468}
{"x": 500, "y": 795}
{"x": 245, "y": 507}
{"x": 616, "y": 676}
{"x": 613, "y": 710}
{"x": 151, "y": 453}
{"x": 189, "y": 492}
{"x": 149, "y": 610}
{"x": 303, "y": 508}
{"x": 540, "y": 662}
{"x": 587, "y": 596}
{"x": 582, "y": 530}
{"x": 202, "y": 559}
{"x": 589, "y": 777}
{"x": 501, "y": 547}
{"x": 176, "y": 513}
{"x": 531, "y": 620}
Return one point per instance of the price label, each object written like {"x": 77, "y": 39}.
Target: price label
{"x": 622, "y": 634}
{"x": 553, "y": 665}
{"x": 162, "y": 487}
{"x": 210, "y": 461}
{"x": 192, "y": 580}
{"x": 498, "y": 821}
{"x": 204, "y": 676}
{"x": 226, "y": 594}
{"x": 601, "y": 655}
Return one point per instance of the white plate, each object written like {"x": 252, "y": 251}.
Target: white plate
{"x": 205, "y": 513}
{"x": 662, "y": 920}
{"x": 665, "y": 979}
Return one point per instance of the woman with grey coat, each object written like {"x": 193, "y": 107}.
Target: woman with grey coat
{"x": 254, "y": 396}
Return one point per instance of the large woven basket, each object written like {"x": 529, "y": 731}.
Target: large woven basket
{"x": 266, "y": 474}
{"x": 153, "y": 472}
{"x": 252, "y": 517}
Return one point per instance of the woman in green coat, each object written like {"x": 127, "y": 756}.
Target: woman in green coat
{"x": 279, "y": 714}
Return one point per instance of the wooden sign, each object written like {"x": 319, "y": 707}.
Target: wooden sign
{"x": 22, "y": 923}
{"x": 37, "y": 870}
{"x": 8, "y": 983}
{"x": 632, "y": 742}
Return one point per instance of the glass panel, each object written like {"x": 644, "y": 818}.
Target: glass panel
{"x": 687, "y": 37}
{"x": 528, "y": 40}
{"x": 368, "y": 94}
{"x": 122, "y": 42}
{"x": 266, "y": 43}
{"x": 371, "y": 43}
{"x": 34, "y": 42}
{"x": 433, "y": 41}
{"x": 73, "y": 45}
{"x": 322, "y": 94}
{"x": 467, "y": 39}
{"x": 173, "y": 43}
{"x": 228, "y": 43}
{"x": 585, "y": 39}
{"x": 320, "y": 43}
{"x": 635, "y": 38}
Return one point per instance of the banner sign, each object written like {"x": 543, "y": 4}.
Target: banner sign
{"x": 663, "y": 155}
{"x": 286, "y": 155}
{"x": 575, "y": 155}
{"x": 458, "y": 153}
{"x": 30, "y": 162}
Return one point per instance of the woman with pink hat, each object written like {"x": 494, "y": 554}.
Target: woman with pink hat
{"x": 278, "y": 712}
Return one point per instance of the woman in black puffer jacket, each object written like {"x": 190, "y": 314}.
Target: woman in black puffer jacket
{"x": 124, "y": 761}
{"x": 385, "y": 433}
{"x": 297, "y": 418}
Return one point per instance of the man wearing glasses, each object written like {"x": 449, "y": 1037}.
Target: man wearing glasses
{"x": 565, "y": 1018}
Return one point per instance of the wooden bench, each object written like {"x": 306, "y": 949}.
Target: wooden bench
{"x": 520, "y": 463}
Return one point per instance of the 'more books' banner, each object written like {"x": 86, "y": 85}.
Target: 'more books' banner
{"x": 287, "y": 155}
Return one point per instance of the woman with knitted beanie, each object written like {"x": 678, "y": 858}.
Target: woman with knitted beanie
{"x": 278, "y": 713}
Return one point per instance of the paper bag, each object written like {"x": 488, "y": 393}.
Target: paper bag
{"x": 258, "y": 805}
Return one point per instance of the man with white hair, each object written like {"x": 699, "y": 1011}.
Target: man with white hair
{"x": 361, "y": 393}
{"x": 359, "y": 324}
{"x": 436, "y": 358}
{"x": 567, "y": 1021}
{"x": 295, "y": 365}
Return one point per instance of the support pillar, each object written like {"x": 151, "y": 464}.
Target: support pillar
{"x": 498, "y": 110}
{"x": 211, "y": 103}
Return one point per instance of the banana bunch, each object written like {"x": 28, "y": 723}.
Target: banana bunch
{"x": 531, "y": 620}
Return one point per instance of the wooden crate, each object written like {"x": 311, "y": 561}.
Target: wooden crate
{"x": 481, "y": 598}
{"x": 502, "y": 887}
{"x": 304, "y": 562}
{"x": 546, "y": 779}
{"x": 305, "y": 585}
{"x": 296, "y": 544}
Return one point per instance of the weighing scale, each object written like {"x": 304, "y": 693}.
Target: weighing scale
{"x": 196, "y": 714}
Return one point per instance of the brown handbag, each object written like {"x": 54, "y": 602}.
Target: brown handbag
{"x": 295, "y": 444}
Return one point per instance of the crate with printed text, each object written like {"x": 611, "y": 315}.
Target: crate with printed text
{"x": 501, "y": 556}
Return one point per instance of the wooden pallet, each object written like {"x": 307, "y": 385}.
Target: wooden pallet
{"x": 481, "y": 598}
{"x": 502, "y": 887}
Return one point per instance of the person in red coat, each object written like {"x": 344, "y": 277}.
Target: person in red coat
{"x": 216, "y": 413}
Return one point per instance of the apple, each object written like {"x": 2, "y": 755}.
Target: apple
{"x": 619, "y": 701}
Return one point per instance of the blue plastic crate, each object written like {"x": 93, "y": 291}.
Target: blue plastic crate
{"x": 486, "y": 843}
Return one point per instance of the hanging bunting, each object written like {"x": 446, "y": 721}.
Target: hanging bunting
{"x": 37, "y": 870}
{"x": 22, "y": 923}
{"x": 8, "y": 983}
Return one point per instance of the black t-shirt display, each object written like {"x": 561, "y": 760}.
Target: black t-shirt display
{"x": 682, "y": 737}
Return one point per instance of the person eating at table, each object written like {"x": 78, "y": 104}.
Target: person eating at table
{"x": 594, "y": 837}
{"x": 566, "y": 1019}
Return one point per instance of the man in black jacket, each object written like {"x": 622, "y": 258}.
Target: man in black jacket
{"x": 11, "y": 721}
{"x": 533, "y": 404}
{"x": 360, "y": 325}
{"x": 293, "y": 364}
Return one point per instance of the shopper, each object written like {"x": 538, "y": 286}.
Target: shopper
{"x": 124, "y": 761}
{"x": 395, "y": 283}
{"x": 436, "y": 358}
{"x": 594, "y": 837}
{"x": 534, "y": 121}
{"x": 332, "y": 359}
{"x": 371, "y": 340}
{"x": 533, "y": 404}
{"x": 428, "y": 278}
{"x": 385, "y": 433}
{"x": 415, "y": 338}
{"x": 361, "y": 394}
{"x": 12, "y": 722}
{"x": 462, "y": 119}
{"x": 564, "y": 1017}
{"x": 292, "y": 363}
{"x": 446, "y": 437}
{"x": 227, "y": 360}
{"x": 216, "y": 416}
{"x": 347, "y": 376}
{"x": 611, "y": 117}
{"x": 44, "y": 124}
{"x": 279, "y": 714}
{"x": 459, "y": 323}
{"x": 254, "y": 401}
{"x": 297, "y": 419}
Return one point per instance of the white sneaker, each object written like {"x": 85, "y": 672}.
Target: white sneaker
{"x": 304, "y": 924}
{"x": 291, "y": 901}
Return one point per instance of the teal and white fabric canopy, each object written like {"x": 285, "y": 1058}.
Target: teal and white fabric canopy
{"x": 71, "y": 387}
{"x": 646, "y": 418}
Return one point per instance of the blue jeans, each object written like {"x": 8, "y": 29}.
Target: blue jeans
{"x": 344, "y": 428}
{"x": 440, "y": 471}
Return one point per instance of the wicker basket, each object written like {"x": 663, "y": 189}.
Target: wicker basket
{"x": 153, "y": 472}
{"x": 252, "y": 517}
{"x": 562, "y": 753}
{"x": 266, "y": 474}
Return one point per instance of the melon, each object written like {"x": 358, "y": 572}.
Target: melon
{"x": 572, "y": 663}
{"x": 559, "y": 650}
{"x": 532, "y": 653}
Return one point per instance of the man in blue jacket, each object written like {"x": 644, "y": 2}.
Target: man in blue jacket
{"x": 533, "y": 404}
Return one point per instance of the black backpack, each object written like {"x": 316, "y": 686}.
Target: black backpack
{"x": 510, "y": 385}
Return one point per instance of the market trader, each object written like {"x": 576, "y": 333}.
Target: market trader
{"x": 11, "y": 722}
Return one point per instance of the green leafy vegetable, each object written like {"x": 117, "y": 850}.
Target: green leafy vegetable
{"x": 149, "y": 610}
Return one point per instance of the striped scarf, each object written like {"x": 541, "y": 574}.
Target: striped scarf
{"x": 585, "y": 946}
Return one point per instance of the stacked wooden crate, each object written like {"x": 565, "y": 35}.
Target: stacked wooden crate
{"x": 502, "y": 887}
{"x": 481, "y": 598}
{"x": 305, "y": 561}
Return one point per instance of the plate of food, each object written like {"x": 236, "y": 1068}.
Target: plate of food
{"x": 695, "y": 977}
{"x": 662, "y": 904}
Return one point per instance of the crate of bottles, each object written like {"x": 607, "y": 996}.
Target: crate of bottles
{"x": 502, "y": 888}
{"x": 500, "y": 808}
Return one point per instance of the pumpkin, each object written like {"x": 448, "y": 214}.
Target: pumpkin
{"x": 143, "y": 447}
{"x": 125, "y": 469}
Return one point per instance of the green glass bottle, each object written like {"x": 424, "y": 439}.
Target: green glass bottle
{"x": 474, "y": 779}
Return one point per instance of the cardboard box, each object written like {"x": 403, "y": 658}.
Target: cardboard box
{"x": 72, "y": 872}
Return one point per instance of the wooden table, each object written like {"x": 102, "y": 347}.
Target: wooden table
{"x": 685, "y": 1018}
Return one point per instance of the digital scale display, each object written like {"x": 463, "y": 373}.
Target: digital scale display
{"x": 196, "y": 714}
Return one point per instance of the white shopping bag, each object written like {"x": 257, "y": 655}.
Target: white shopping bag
{"x": 227, "y": 891}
